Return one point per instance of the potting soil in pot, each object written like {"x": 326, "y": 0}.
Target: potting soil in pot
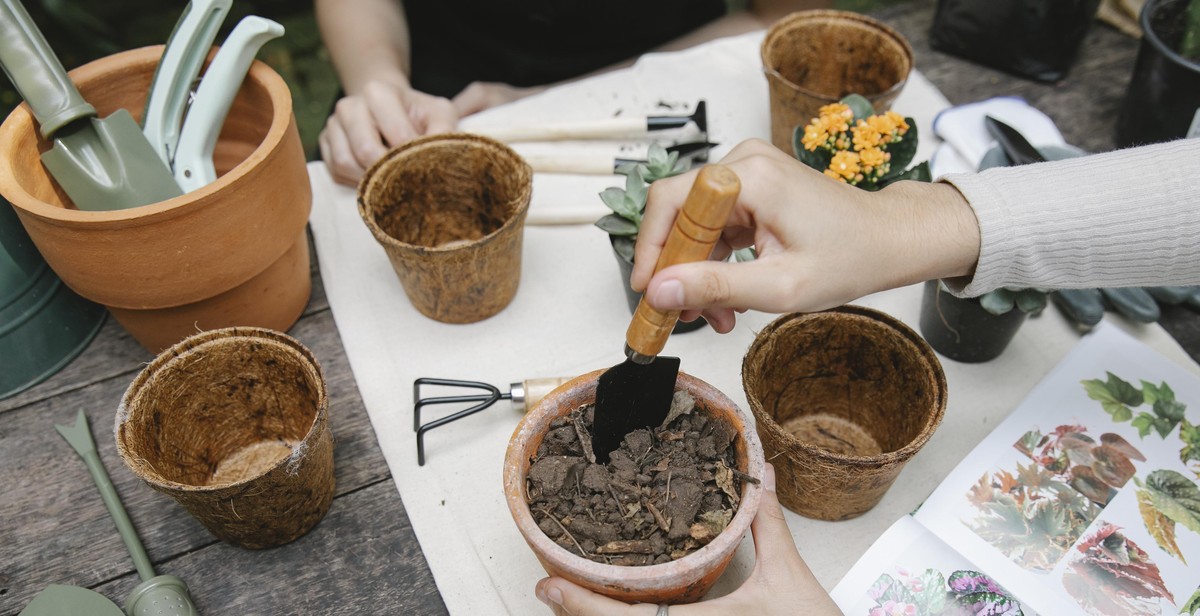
{"x": 664, "y": 493}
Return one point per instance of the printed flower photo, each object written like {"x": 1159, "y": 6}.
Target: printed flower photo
{"x": 964, "y": 593}
{"x": 1111, "y": 576}
{"x": 1035, "y": 514}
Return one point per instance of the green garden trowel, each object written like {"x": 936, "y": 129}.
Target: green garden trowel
{"x": 102, "y": 164}
{"x": 157, "y": 594}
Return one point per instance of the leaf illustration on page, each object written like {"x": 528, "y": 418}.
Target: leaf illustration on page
{"x": 1160, "y": 527}
{"x": 1112, "y": 576}
{"x": 1192, "y": 605}
{"x": 1115, "y": 396}
{"x": 1176, "y": 496}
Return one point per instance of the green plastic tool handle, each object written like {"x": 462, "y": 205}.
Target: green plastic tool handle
{"x": 36, "y": 72}
{"x": 80, "y": 438}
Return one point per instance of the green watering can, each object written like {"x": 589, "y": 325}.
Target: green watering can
{"x": 43, "y": 324}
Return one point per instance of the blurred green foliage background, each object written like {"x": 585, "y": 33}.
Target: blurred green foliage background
{"x": 82, "y": 30}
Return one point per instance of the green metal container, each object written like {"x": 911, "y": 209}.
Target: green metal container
{"x": 43, "y": 324}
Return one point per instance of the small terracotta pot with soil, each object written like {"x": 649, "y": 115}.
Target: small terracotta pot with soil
{"x": 657, "y": 524}
{"x": 234, "y": 425}
{"x": 814, "y": 58}
{"x": 233, "y": 252}
{"x": 842, "y": 400}
{"x": 449, "y": 210}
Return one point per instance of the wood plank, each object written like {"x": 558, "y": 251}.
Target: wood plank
{"x": 361, "y": 559}
{"x": 56, "y": 529}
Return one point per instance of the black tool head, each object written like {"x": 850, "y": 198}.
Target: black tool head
{"x": 630, "y": 396}
{"x": 700, "y": 117}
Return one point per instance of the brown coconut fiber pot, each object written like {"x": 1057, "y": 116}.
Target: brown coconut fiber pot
{"x": 234, "y": 425}
{"x": 450, "y": 210}
{"x": 192, "y": 262}
{"x": 679, "y": 581}
{"x": 842, "y": 400}
{"x": 815, "y": 58}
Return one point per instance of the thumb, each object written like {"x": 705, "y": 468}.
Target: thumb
{"x": 760, "y": 285}
{"x": 566, "y": 598}
{"x": 772, "y": 539}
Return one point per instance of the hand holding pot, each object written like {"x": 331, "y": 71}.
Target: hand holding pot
{"x": 820, "y": 243}
{"x": 781, "y": 583}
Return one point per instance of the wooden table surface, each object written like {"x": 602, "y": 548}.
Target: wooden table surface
{"x": 363, "y": 557}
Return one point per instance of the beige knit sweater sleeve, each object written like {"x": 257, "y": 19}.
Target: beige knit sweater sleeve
{"x": 1124, "y": 218}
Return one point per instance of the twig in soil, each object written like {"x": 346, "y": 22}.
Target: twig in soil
{"x": 585, "y": 439}
{"x": 667, "y": 494}
{"x": 582, "y": 551}
{"x": 744, "y": 476}
{"x": 663, "y": 523}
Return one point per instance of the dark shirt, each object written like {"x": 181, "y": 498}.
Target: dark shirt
{"x": 536, "y": 42}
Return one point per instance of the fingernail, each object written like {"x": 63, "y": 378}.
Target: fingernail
{"x": 768, "y": 481}
{"x": 541, "y": 594}
{"x": 555, "y": 595}
{"x": 669, "y": 295}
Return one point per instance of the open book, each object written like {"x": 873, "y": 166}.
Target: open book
{"x": 1085, "y": 500}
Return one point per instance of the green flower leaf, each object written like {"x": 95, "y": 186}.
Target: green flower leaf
{"x": 1192, "y": 605}
{"x": 1115, "y": 395}
{"x": 859, "y": 106}
{"x": 1190, "y": 435}
{"x": 1144, "y": 422}
{"x": 614, "y": 224}
{"x": 904, "y": 150}
{"x": 1031, "y": 301}
{"x": 614, "y": 198}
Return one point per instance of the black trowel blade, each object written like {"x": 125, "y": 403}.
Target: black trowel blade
{"x": 631, "y": 396}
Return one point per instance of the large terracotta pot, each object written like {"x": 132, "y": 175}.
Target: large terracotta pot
{"x": 680, "y": 581}
{"x": 167, "y": 269}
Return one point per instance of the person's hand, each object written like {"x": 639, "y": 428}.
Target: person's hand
{"x": 820, "y": 243}
{"x": 779, "y": 584}
{"x": 480, "y": 95}
{"x": 383, "y": 115}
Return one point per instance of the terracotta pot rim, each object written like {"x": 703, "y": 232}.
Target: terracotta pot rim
{"x": 21, "y": 119}
{"x": 866, "y": 22}
{"x": 198, "y": 343}
{"x": 764, "y": 421}
{"x": 522, "y": 199}
{"x": 634, "y": 578}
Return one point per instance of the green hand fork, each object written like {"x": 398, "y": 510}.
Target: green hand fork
{"x": 157, "y": 594}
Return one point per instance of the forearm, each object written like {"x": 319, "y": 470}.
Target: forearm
{"x": 367, "y": 39}
{"x": 1128, "y": 218}
{"x": 927, "y": 231}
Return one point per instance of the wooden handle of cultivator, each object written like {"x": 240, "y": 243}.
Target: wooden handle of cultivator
{"x": 696, "y": 230}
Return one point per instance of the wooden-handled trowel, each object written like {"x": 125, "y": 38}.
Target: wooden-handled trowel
{"x": 637, "y": 392}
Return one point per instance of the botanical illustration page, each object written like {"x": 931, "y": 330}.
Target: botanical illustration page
{"x": 1086, "y": 499}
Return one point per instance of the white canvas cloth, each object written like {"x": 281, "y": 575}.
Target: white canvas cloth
{"x": 569, "y": 317}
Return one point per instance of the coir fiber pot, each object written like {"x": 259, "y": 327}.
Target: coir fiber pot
{"x": 680, "y": 581}
{"x": 43, "y": 324}
{"x": 960, "y": 329}
{"x": 815, "y": 58}
{"x": 231, "y": 253}
{"x": 234, "y": 425}
{"x": 450, "y": 210}
{"x": 633, "y": 297}
{"x": 1164, "y": 91}
{"x": 842, "y": 400}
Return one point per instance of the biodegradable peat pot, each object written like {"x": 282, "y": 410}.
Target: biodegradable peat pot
{"x": 450, "y": 210}
{"x": 234, "y": 425}
{"x": 842, "y": 400}
{"x": 168, "y": 268}
{"x": 960, "y": 329}
{"x": 679, "y": 581}
{"x": 1164, "y": 92}
{"x": 815, "y": 58}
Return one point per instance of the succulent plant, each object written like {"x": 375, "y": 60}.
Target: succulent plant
{"x": 629, "y": 203}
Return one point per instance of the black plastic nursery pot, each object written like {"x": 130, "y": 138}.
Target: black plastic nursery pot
{"x": 633, "y": 297}
{"x": 1164, "y": 91}
{"x": 960, "y": 329}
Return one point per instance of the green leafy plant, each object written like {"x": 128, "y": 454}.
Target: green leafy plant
{"x": 1000, "y": 301}
{"x": 628, "y": 204}
{"x": 1167, "y": 498}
